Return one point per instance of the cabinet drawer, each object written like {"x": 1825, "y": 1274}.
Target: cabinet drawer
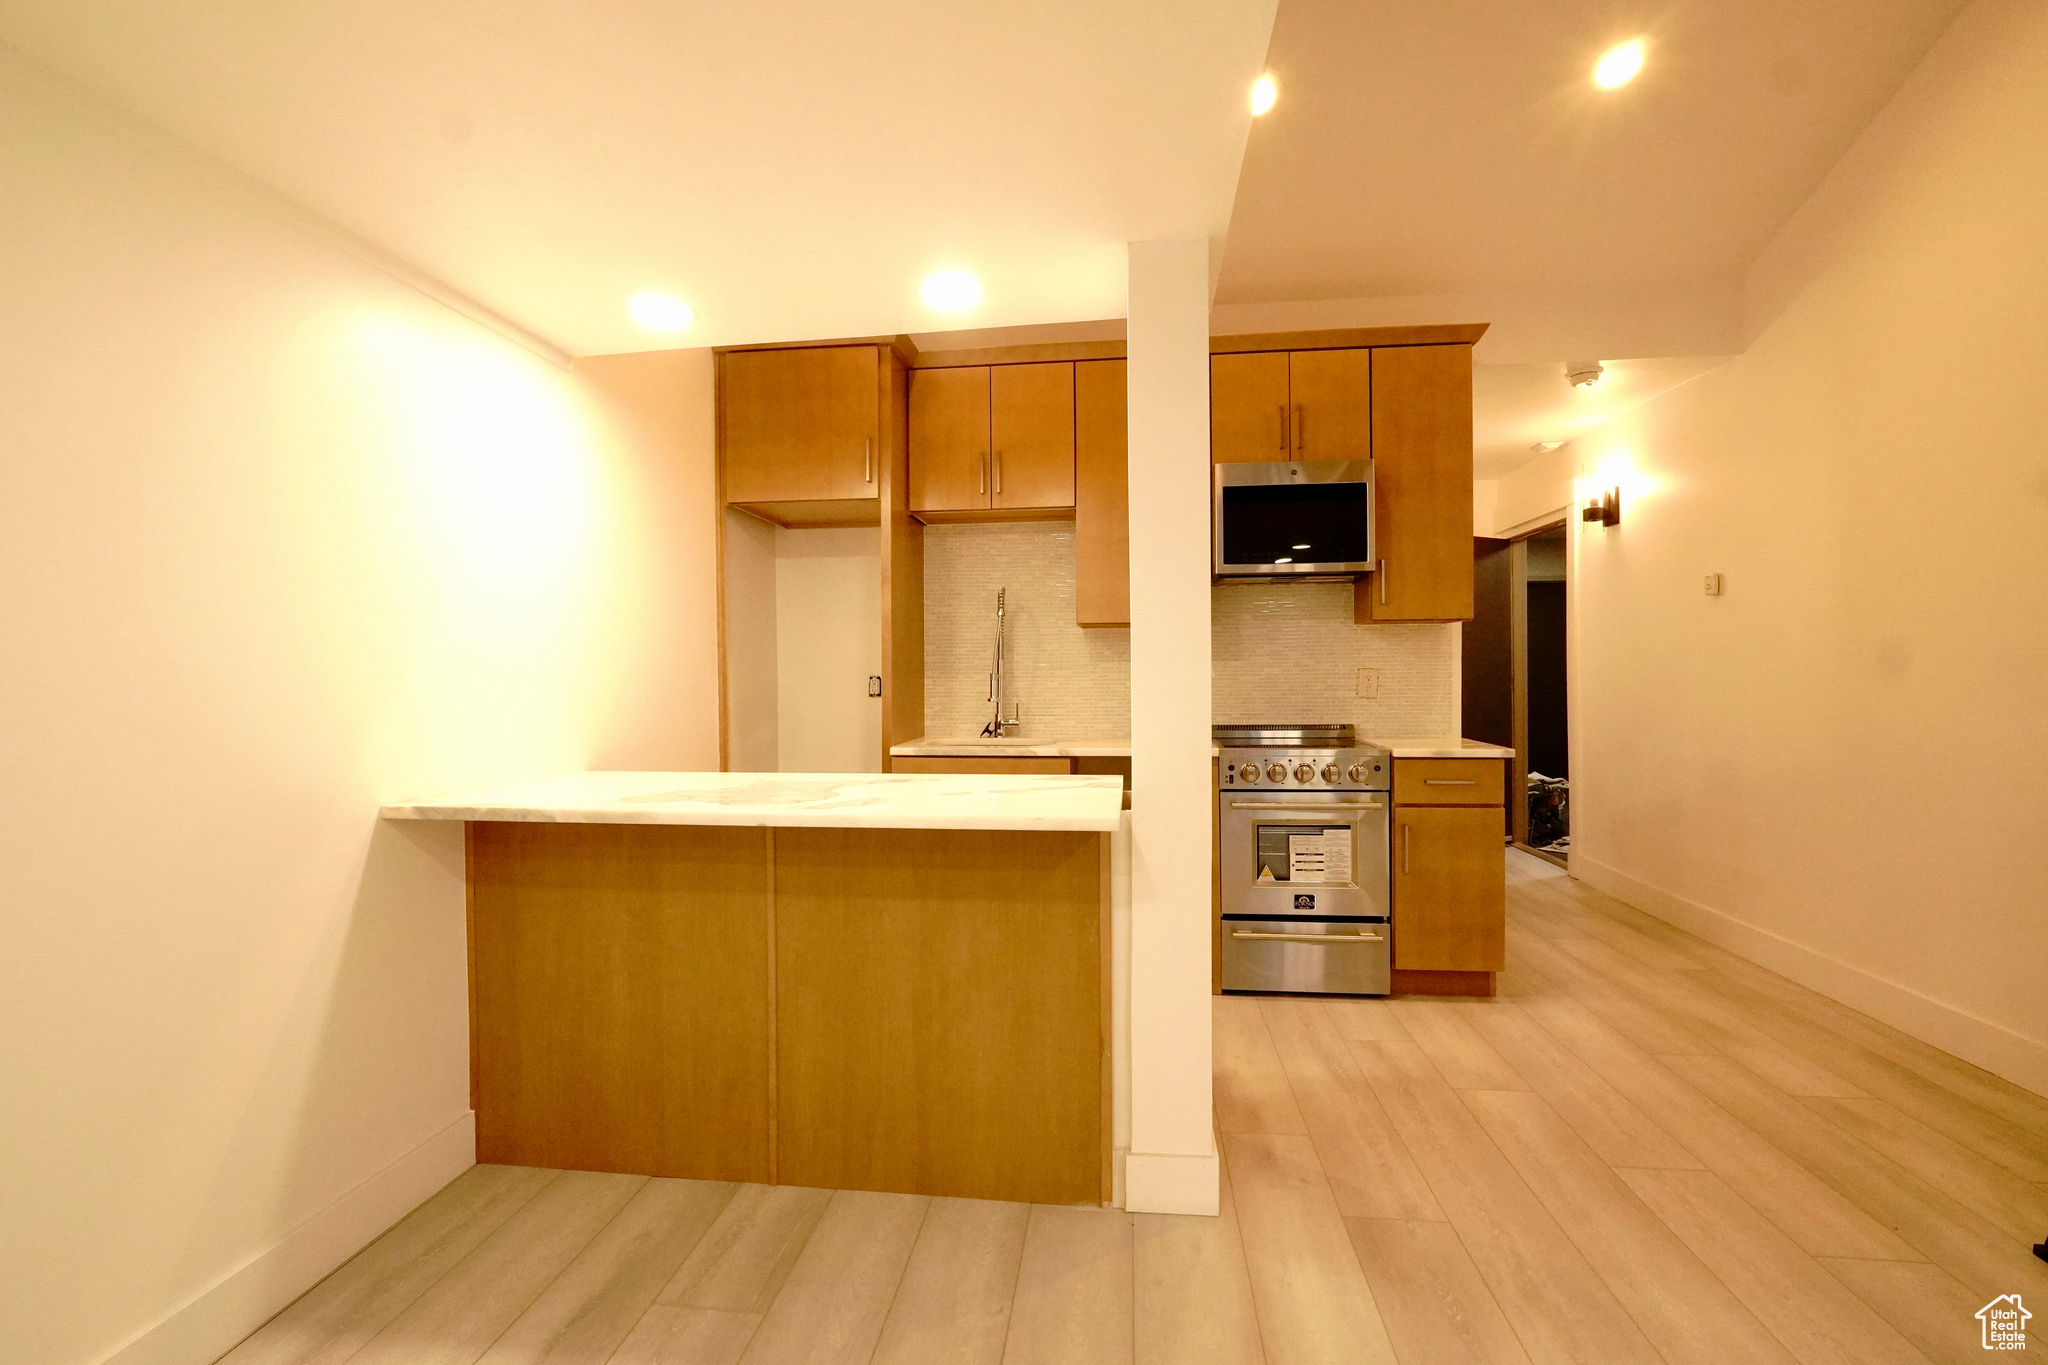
{"x": 1003, "y": 766}
{"x": 1449, "y": 781}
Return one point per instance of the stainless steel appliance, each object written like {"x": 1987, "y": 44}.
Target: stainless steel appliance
{"x": 1293, "y": 517}
{"x": 1306, "y": 872}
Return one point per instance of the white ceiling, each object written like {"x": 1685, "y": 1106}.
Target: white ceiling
{"x": 1458, "y": 146}
{"x": 792, "y": 168}
{"x": 1515, "y": 406}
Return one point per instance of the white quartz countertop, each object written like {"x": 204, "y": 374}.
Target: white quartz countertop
{"x": 1437, "y": 746}
{"x": 973, "y": 748}
{"x": 813, "y": 800}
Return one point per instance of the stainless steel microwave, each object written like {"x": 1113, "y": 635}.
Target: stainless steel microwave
{"x": 1294, "y": 517}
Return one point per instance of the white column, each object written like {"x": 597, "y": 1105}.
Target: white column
{"x": 1171, "y": 1166}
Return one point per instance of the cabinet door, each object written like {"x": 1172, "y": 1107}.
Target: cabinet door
{"x": 1450, "y": 889}
{"x": 1102, "y": 521}
{"x": 949, "y": 432}
{"x": 1031, "y": 435}
{"x": 1248, "y": 417}
{"x": 1331, "y": 397}
{"x": 1422, "y": 467}
{"x": 801, "y": 425}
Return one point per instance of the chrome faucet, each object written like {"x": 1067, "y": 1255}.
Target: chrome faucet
{"x": 998, "y": 727}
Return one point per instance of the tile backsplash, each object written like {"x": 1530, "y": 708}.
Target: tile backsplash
{"x": 1069, "y": 683}
{"x": 1289, "y": 652}
{"x": 1280, "y": 651}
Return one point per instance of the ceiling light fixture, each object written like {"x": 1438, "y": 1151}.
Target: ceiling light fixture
{"x": 1284, "y": 559}
{"x": 950, "y": 291}
{"x": 1297, "y": 547}
{"x": 1265, "y": 90}
{"x": 1619, "y": 64}
{"x": 1583, "y": 374}
{"x": 1545, "y": 447}
{"x": 661, "y": 312}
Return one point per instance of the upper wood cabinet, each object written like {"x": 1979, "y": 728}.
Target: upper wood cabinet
{"x": 986, "y": 439}
{"x": 1330, "y": 397}
{"x": 949, "y": 425}
{"x": 1249, "y": 419}
{"x": 1102, "y": 524}
{"x": 1290, "y": 405}
{"x": 1422, "y": 471}
{"x": 1031, "y": 435}
{"x": 802, "y": 425}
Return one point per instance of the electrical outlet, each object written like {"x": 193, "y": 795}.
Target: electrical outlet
{"x": 1368, "y": 682}
{"x": 1713, "y": 585}
{"x": 874, "y": 685}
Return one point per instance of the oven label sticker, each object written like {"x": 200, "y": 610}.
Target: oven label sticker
{"x": 1304, "y": 902}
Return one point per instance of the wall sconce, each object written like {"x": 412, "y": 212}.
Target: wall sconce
{"x": 1607, "y": 511}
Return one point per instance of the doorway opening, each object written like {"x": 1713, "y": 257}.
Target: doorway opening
{"x": 1514, "y": 680}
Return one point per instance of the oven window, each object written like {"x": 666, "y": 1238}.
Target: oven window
{"x": 1264, "y": 523}
{"x": 1304, "y": 855}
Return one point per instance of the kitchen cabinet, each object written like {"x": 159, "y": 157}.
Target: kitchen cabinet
{"x": 1450, "y": 875}
{"x": 1102, "y": 520}
{"x": 995, "y": 764}
{"x": 801, "y": 433}
{"x": 1248, "y": 415}
{"x": 949, "y": 439}
{"x": 988, "y": 439}
{"x": 1290, "y": 405}
{"x": 1422, "y": 473}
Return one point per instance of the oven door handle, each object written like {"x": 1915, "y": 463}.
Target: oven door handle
{"x": 1301, "y": 806}
{"x": 1310, "y": 938}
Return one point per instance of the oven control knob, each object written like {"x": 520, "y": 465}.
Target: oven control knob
{"x": 1356, "y": 772}
{"x": 1249, "y": 772}
{"x": 1329, "y": 772}
{"x": 1304, "y": 772}
{"x": 1277, "y": 771}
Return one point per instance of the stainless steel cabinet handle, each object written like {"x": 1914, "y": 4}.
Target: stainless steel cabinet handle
{"x": 1382, "y": 576}
{"x": 867, "y": 464}
{"x": 1310, "y": 938}
{"x": 1450, "y": 781}
{"x": 999, "y": 471}
{"x": 1298, "y": 806}
{"x": 1283, "y": 426}
{"x": 1407, "y": 839}
{"x": 981, "y": 470}
{"x": 1300, "y": 430}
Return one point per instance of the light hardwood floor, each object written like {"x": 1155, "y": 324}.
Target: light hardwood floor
{"x": 1644, "y": 1150}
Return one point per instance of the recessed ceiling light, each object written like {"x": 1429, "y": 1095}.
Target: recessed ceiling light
{"x": 1297, "y": 547}
{"x": 950, "y": 291}
{"x": 1264, "y": 91}
{"x": 1618, "y": 64}
{"x": 661, "y": 312}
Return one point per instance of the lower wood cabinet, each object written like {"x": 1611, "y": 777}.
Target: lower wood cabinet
{"x": 1450, "y": 876}
{"x": 922, "y": 1011}
{"x": 992, "y": 765}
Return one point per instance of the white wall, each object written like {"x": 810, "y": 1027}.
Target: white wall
{"x": 828, "y": 642}
{"x": 1172, "y": 1164}
{"x": 281, "y": 540}
{"x": 1840, "y": 767}
{"x": 752, "y": 707}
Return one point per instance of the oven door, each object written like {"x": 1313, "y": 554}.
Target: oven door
{"x": 1313, "y": 957}
{"x": 1319, "y": 855}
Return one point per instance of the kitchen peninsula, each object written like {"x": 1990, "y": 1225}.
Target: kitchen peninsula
{"x": 850, "y": 981}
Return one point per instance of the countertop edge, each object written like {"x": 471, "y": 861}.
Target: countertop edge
{"x": 794, "y": 820}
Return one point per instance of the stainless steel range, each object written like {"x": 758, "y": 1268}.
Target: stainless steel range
{"x": 1304, "y": 845}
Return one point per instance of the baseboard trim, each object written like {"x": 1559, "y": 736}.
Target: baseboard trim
{"x": 1163, "y": 1182}
{"x": 212, "y": 1321}
{"x": 1979, "y": 1041}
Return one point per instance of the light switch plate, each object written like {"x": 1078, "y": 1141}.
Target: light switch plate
{"x": 1368, "y": 682}
{"x": 1713, "y": 585}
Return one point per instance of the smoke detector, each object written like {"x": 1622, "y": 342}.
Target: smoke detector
{"x": 1582, "y": 374}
